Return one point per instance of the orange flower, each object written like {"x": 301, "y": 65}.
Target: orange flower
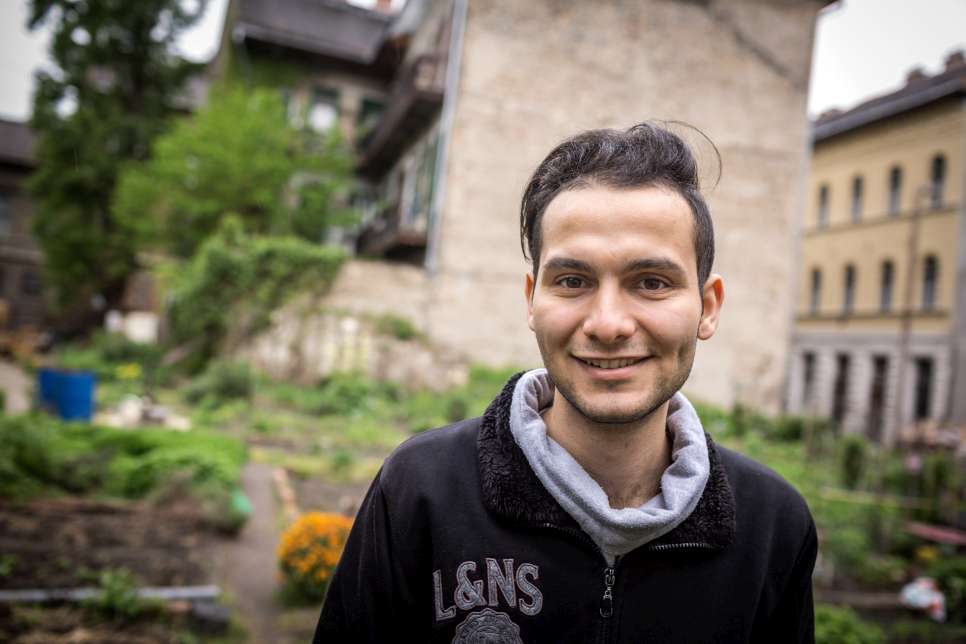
{"x": 309, "y": 550}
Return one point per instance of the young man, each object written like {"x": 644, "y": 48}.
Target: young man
{"x": 588, "y": 504}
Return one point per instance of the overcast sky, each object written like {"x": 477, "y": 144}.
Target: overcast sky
{"x": 862, "y": 48}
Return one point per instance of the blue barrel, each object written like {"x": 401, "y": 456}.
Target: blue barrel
{"x": 76, "y": 396}
{"x": 47, "y": 383}
{"x": 68, "y": 393}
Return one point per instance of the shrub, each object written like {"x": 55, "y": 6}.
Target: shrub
{"x": 221, "y": 382}
{"x": 236, "y": 281}
{"x": 309, "y": 551}
{"x": 950, "y": 574}
{"x": 397, "y": 327}
{"x": 840, "y": 625}
{"x": 117, "y": 596}
{"x": 853, "y": 460}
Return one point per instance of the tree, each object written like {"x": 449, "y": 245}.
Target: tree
{"x": 115, "y": 84}
{"x": 238, "y": 156}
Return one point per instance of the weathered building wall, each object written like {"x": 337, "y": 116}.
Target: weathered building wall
{"x": 534, "y": 73}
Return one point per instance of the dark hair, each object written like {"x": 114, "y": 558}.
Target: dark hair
{"x": 644, "y": 155}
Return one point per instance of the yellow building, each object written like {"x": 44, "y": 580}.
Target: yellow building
{"x": 880, "y": 328}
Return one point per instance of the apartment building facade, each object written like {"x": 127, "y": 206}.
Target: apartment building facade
{"x": 879, "y": 328}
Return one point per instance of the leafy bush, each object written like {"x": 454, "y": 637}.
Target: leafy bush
{"x": 221, "y": 382}
{"x": 424, "y": 410}
{"x": 909, "y": 631}
{"x": 855, "y": 450}
{"x": 840, "y": 625}
{"x": 880, "y": 570}
{"x": 309, "y": 551}
{"x": 117, "y": 596}
{"x": 111, "y": 356}
{"x": 237, "y": 280}
{"x": 39, "y": 454}
{"x": 950, "y": 574}
{"x": 397, "y": 327}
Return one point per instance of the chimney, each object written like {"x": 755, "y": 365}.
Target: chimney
{"x": 955, "y": 60}
{"x": 915, "y": 75}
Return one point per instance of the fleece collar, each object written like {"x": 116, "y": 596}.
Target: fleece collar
{"x": 512, "y": 490}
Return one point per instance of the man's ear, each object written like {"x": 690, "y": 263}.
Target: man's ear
{"x": 712, "y": 297}
{"x": 528, "y": 293}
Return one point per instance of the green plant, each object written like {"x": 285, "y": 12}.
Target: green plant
{"x": 117, "y": 596}
{"x": 841, "y": 625}
{"x": 237, "y": 281}
{"x": 950, "y": 574}
{"x": 222, "y": 381}
{"x": 855, "y": 450}
{"x": 397, "y": 327}
{"x": 7, "y": 564}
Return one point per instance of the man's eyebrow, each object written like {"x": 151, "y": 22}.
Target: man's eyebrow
{"x": 567, "y": 264}
{"x": 652, "y": 264}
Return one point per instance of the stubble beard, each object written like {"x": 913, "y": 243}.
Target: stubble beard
{"x": 661, "y": 392}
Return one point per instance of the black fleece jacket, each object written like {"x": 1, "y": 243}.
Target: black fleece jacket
{"x": 457, "y": 541}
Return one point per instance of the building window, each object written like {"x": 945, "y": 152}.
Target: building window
{"x": 930, "y": 276}
{"x": 923, "y": 388}
{"x": 30, "y": 283}
{"x": 937, "y": 178}
{"x": 885, "y": 291}
{"x": 815, "y": 297}
{"x": 857, "y": 190}
{"x": 895, "y": 190}
{"x": 823, "y": 205}
{"x": 6, "y": 216}
{"x": 841, "y": 390}
{"x": 808, "y": 378}
{"x": 848, "y": 299}
{"x": 323, "y": 112}
{"x": 370, "y": 112}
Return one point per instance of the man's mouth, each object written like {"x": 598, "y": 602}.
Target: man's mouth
{"x": 612, "y": 363}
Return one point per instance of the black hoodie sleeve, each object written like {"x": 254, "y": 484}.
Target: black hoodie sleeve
{"x": 370, "y": 598}
{"x": 793, "y": 620}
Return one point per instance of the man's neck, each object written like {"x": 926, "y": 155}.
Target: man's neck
{"x": 626, "y": 460}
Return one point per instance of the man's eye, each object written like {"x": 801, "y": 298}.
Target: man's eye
{"x": 570, "y": 282}
{"x": 653, "y": 283}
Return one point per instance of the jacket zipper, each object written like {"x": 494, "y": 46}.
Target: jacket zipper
{"x": 678, "y": 546}
{"x": 610, "y": 572}
{"x": 607, "y": 601}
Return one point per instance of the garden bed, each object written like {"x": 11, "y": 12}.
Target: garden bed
{"x": 63, "y": 543}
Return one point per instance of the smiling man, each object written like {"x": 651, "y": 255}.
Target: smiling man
{"x": 588, "y": 504}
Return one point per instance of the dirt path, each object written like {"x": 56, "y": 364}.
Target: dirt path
{"x": 246, "y": 566}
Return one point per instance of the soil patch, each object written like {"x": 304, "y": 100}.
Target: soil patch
{"x": 59, "y": 543}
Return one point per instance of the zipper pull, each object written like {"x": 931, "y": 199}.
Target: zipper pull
{"x": 607, "y": 604}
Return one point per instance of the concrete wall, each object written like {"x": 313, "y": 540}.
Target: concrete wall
{"x": 534, "y": 73}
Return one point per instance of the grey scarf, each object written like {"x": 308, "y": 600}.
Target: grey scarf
{"x": 616, "y": 532}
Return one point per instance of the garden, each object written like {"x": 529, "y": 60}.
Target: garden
{"x": 123, "y": 509}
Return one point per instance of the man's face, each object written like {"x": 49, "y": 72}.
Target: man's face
{"x": 617, "y": 308}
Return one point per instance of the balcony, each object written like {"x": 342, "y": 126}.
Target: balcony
{"x": 414, "y": 101}
{"x": 389, "y": 236}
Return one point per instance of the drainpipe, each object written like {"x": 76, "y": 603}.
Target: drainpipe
{"x": 453, "y": 59}
{"x": 905, "y": 328}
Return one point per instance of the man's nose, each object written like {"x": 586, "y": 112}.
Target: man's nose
{"x": 609, "y": 319}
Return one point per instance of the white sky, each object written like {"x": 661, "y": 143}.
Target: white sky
{"x": 862, "y": 48}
